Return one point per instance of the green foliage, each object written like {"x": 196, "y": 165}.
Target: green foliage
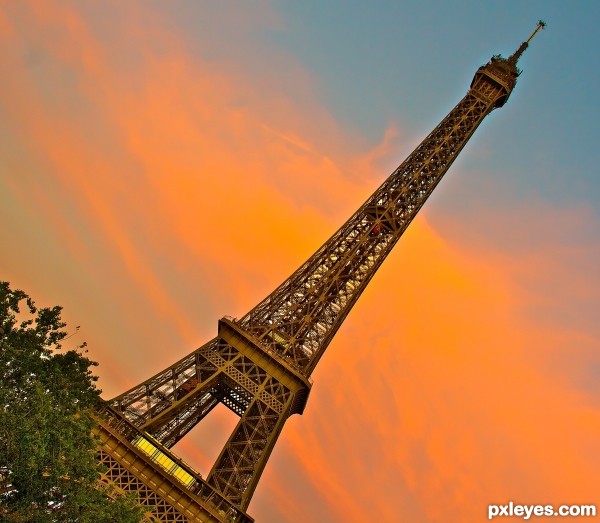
{"x": 48, "y": 468}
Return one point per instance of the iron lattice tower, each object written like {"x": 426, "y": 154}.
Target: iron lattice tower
{"x": 260, "y": 365}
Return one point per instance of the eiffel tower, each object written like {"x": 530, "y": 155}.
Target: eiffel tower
{"x": 259, "y": 365}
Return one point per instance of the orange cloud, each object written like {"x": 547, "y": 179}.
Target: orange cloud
{"x": 134, "y": 189}
{"x": 438, "y": 401}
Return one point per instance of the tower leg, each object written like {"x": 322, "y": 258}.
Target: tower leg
{"x": 233, "y": 369}
{"x": 241, "y": 462}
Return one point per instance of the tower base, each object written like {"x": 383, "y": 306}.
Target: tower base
{"x": 170, "y": 489}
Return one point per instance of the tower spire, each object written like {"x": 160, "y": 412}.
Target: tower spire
{"x": 517, "y": 54}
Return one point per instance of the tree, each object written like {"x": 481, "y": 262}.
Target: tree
{"x": 48, "y": 470}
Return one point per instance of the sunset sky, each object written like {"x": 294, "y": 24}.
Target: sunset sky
{"x": 163, "y": 164}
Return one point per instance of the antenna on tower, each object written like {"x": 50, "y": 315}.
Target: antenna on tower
{"x": 540, "y": 25}
{"x": 513, "y": 59}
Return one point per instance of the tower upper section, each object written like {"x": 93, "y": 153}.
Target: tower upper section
{"x": 298, "y": 320}
{"x": 501, "y": 73}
